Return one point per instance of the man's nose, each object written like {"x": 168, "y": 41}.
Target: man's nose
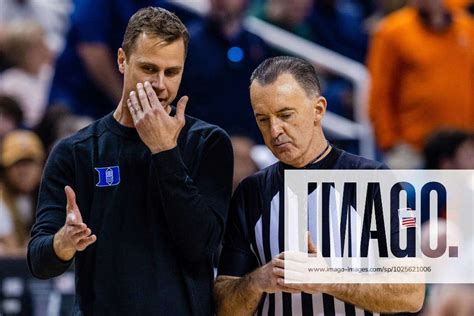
{"x": 275, "y": 127}
{"x": 158, "y": 81}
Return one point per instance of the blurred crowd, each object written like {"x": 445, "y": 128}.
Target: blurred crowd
{"x": 58, "y": 73}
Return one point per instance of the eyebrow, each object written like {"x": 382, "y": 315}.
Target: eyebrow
{"x": 286, "y": 109}
{"x": 145, "y": 63}
{"x": 279, "y": 111}
{"x": 176, "y": 68}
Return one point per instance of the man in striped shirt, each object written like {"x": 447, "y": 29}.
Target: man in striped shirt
{"x": 288, "y": 107}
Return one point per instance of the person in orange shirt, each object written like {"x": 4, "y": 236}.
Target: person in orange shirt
{"x": 421, "y": 63}
{"x": 458, "y": 4}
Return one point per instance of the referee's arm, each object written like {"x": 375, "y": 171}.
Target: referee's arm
{"x": 241, "y": 282}
{"x": 381, "y": 298}
{"x": 242, "y": 295}
{"x": 236, "y": 291}
{"x": 236, "y": 295}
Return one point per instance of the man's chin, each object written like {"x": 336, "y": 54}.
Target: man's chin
{"x": 284, "y": 156}
{"x": 281, "y": 150}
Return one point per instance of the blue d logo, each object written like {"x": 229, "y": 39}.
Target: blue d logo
{"x": 108, "y": 176}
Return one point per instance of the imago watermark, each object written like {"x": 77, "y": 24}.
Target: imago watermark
{"x": 379, "y": 226}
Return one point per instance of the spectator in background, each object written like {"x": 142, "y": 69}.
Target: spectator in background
{"x": 4, "y": 63}
{"x": 221, "y": 57}
{"x": 421, "y": 63}
{"x": 29, "y": 78}
{"x": 244, "y": 165}
{"x": 57, "y": 123}
{"x": 22, "y": 158}
{"x": 335, "y": 25}
{"x": 11, "y": 115}
{"x": 382, "y": 8}
{"x": 470, "y": 8}
{"x": 86, "y": 78}
{"x": 52, "y": 15}
{"x": 367, "y": 7}
{"x": 338, "y": 25}
{"x": 458, "y": 4}
{"x": 449, "y": 149}
{"x": 46, "y": 129}
{"x": 289, "y": 15}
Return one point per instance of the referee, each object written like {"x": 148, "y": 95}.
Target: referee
{"x": 288, "y": 107}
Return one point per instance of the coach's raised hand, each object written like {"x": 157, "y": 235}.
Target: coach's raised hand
{"x": 157, "y": 129}
{"x": 74, "y": 235}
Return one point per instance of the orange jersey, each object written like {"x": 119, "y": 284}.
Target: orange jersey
{"x": 420, "y": 80}
{"x": 457, "y": 4}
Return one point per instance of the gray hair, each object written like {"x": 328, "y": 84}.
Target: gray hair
{"x": 303, "y": 72}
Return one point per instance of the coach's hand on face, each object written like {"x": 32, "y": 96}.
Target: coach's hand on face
{"x": 74, "y": 235}
{"x": 157, "y": 129}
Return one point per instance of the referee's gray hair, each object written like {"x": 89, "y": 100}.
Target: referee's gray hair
{"x": 303, "y": 72}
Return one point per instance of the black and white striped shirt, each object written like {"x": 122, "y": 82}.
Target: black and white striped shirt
{"x": 255, "y": 234}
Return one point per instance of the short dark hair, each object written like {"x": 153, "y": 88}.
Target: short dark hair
{"x": 303, "y": 72}
{"x": 155, "y": 21}
{"x": 443, "y": 144}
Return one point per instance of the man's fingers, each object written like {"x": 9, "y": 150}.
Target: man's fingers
{"x": 279, "y": 272}
{"x": 180, "y": 108}
{"x": 81, "y": 234}
{"x": 142, "y": 95}
{"x": 71, "y": 219}
{"x": 75, "y": 229}
{"x": 132, "y": 110}
{"x": 71, "y": 199}
{"x": 279, "y": 263}
{"x": 72, "y": 210}
{"x": 135, "y": 105}
{"x": 86, "y": 242}
{"x": 152, "y": 97}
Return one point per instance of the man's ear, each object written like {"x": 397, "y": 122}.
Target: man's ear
{"x": 319, "y": 105}
{"x": 121, "y": 60}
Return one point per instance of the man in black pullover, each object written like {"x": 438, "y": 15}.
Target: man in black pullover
{"x": 139, "y": 198}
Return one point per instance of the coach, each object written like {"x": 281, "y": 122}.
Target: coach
{"x": 139, "y": 198}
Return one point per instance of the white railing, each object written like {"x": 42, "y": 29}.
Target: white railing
{"x": 322, "y": 58}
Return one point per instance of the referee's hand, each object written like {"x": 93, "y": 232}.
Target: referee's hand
{"x": 269, "y": 278}
{"x": 74, "y": 235}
